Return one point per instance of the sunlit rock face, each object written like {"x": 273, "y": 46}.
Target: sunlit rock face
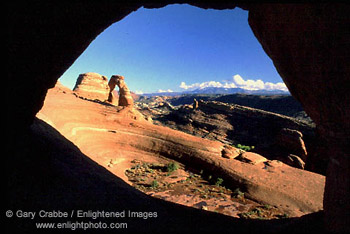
{"x": 92, "y": 86}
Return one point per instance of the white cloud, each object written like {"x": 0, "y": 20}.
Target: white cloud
{"x": 237, "y": 82}
{"x": 248, "y": 84}
{"x": 238, "y": 79}
{"x": 183, "y": 85}
{"x": 139, "y": 92}
{"x": 230, "y": 85}
{"x": 203, "y": 85}
{"x": 279, "y": 86}
{"x": 165, "y": 91}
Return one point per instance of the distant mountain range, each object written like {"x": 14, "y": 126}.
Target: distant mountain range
{"x": 216, "y": 90}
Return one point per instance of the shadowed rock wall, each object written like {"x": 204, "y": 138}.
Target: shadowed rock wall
{"x": 309, "y": 45}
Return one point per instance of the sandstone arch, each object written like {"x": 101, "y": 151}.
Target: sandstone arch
{"x": 309, "y": 45}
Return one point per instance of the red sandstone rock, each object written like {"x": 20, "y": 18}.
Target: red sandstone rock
{"x": 113, "y": 138}
{"x": 125, "y": 98}
{"x": 292, "y": 141}
{"x": 297, "y": 161}
{"x": 233, "y": 124}
{"x": 92, "y": 86}
{"x": 230, "y": 152}
{"x": 306, "y": 42}
{"x": 252, "y": 158}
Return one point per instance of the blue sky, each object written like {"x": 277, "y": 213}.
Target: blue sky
{"x": 179, "y": 47}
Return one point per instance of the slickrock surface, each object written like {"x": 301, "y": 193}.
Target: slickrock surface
{"x": 106, "y": 135}
{"x": 274, "y": 135}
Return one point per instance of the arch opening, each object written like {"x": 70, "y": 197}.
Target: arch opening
{"x": 300, "y": 55}
{"x": 213, "y": 55}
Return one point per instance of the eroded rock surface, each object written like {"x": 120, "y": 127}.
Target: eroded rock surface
{"x": 308, "y": 44}
{"x": 125, "y": 98}
{"x": 113, "y": 139}
{"x": 92, "y": 86}
{"x": 273, "y": 135}
{"x": 292, "y": 141}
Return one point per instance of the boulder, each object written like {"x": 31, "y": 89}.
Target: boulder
{"x": 230, "y": 152}
{"x": 297, "y": 161}
{"x": 292, "y": 142}
{"x": 92, "y": 86}
{"x": 251, "y": 158}
{"x": 195, "y": 104}
{"x": 292, "y": 160}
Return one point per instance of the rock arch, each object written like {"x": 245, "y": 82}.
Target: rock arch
{"x": 308, "y": 43}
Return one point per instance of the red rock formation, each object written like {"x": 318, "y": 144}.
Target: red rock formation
{"x": 270, "y": 133}
{"x": 292, "y": 142}
{"x": 106, "y": 133}
{"x": 92, "y": 86}
{"x": 230, "y": 152}
{"x": 309, "y": 47}
{"x": 308, "y": 44}
{"x": 125, "y": 98}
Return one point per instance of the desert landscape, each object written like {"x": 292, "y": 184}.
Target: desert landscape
{"x": 129, "y": 145}
{"x": 180, "y": 164}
